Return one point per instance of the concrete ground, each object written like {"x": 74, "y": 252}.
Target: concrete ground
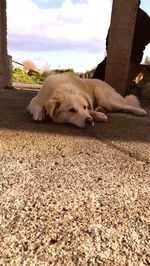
{"x": 73, "y": 196}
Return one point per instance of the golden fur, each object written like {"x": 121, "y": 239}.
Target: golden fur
{"x": 70, "y": 99}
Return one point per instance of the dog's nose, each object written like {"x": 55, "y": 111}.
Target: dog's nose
{"x": 89, "y": 121}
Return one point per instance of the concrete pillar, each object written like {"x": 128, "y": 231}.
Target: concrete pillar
{"x": 5, "y": 60}
{"x": 120, "y": 43}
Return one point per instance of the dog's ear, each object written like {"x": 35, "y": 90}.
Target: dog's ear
{"x": 51, "y": 106}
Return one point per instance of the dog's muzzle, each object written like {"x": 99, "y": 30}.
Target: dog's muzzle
{"x": 89, "y": 122}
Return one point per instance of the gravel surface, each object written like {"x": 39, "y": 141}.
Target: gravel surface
{"x": 72, "y": 196}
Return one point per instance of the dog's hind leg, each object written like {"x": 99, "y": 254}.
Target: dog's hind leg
{"x": 132, "y": 105}
{"x": 36, "y": 110}
{"x": 134, "y": 110}
{"x": 129, "y": 104}
{"x": 116, "y": 107}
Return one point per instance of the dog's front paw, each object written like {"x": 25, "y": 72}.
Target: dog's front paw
{"x": 39, "y": 116}
{"x": 100, "y": 109}
{"x": 101, "y": 117}
{"x": 98, "y": 116}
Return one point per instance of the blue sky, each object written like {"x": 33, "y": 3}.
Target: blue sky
{"x": 60, "y": 33}
{"x": 53, "y": 3}
{"x": 57, "y": 3}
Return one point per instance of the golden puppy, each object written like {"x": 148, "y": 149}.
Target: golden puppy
{"x": 70, "y": 99}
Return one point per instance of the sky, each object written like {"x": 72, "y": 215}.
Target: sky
{"x": 60, "y": 33}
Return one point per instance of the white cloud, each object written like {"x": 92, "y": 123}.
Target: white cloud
{"x": 72, "y": 35}
{"x": 74, "y": 26}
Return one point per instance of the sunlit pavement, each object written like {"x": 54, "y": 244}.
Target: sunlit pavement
{"x": 73, "y": 196}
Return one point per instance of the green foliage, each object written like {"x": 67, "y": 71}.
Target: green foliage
{"x": 67, "y": 70}
{"x": 35, "y": 77}
{"x": 20, "y": 75}
{"x": 87, "y": 74}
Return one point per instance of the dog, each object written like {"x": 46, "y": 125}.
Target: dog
{"x": 66, "y": 98}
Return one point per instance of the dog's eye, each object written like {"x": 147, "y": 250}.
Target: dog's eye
{"x": 84, "y": 107}
{"x": 72, "y": 110}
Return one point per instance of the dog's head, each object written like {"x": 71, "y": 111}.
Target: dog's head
{"x": 70, "y": 108}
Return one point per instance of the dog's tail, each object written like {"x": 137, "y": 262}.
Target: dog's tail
{"x": 132, "y": 100}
